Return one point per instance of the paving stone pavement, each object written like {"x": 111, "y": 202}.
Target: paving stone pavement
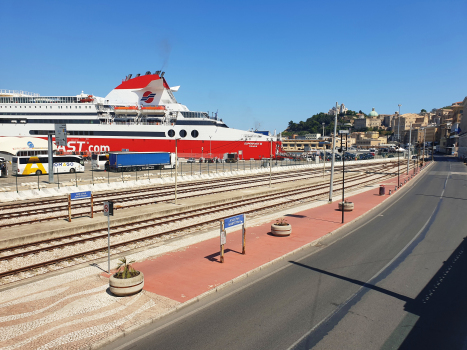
{"x": 74, "y": 315}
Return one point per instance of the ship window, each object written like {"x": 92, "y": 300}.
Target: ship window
{"x": 171, "y": 133}
{"x": 183, "y": 133}
{"x": 195, "y": 133}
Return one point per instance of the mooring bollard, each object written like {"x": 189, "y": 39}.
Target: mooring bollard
{"x": 405, "y": 181}
{"x": 389, "y": 192}
{"x": 395, "y": 188}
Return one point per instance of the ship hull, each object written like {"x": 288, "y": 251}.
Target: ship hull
{"x": 137, "y": 138}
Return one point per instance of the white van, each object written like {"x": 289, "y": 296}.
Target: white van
{"x": 98, "y": 161}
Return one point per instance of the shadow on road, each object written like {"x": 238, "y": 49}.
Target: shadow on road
{"x": 360, "y": 283}
{"x": 442, "y": 307}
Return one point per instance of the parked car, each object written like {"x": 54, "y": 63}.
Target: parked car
{"x": 191, "y": 160}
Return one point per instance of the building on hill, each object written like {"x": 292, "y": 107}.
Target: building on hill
{"x": 341, "y": 110}
{"x": 386, "y": 119}
{"x": 462, "y": 131}
{"x": 444, "y": 115}
{"x": 373, "y": 122}
{"x": 373, "y": 113}
{"x": 312, "y": 136}
{"x": 402, "y": 123}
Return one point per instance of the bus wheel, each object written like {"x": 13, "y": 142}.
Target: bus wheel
{"x": 72, "y": 170}
{"x": 39, "y": 172}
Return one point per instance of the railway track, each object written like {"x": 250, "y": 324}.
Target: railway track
{"x": 125, "y": 238}
{"x": 11, "y": 216}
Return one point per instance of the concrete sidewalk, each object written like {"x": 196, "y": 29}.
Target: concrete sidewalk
{"x": 74, "y": 311}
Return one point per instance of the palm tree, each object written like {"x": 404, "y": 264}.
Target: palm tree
{"x": 128, "y": 271}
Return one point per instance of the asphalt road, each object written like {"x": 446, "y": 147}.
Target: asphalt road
{"x": 394, "y": 280}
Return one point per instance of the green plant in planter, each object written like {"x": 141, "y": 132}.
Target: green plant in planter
{"x": 125, "y": 270}
{"x": 281, "y": 222}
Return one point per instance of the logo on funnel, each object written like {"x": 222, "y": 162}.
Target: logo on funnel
{"x": 148, "y": 97}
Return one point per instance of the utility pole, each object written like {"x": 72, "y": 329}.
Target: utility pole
{"x": 270, "y": 165}
{"x": 176, "y": 168}
{"x": 50, "y": 152}
{"x": 410, "y": 145}
{"x": 333, "y": 150}
{"x": 398, "y": 123}
{"x": 424, "y": 133}
{"x": 399, "y": 144}
{"x": 324, "y": 154}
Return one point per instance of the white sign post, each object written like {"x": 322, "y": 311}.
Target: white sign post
{"x": 230, "y": 222}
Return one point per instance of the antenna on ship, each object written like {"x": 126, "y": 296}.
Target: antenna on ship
{"x": 162, "y": 74}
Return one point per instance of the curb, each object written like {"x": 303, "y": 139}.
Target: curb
{"x": 125, "y": 332}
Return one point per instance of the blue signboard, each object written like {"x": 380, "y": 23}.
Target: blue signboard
{"x": 80, "y": 195}
{"x": 233, "y": 221}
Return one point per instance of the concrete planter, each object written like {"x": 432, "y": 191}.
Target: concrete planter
{"x": 348, "y": 206}
{"x": 281, "y": 230}
{"x": 126, "y": 286}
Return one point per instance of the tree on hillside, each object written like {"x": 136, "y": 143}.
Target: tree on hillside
{"x": 312, "y": 124}
{"x": 423, "y": 111}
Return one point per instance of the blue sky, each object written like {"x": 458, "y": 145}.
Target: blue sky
{"x": 257, "y": 62}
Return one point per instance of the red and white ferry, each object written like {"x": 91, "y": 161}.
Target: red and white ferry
{"x": 139, "y": 115}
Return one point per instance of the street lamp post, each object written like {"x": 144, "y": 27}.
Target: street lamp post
{"x": 210, "y": 138}
{"x": 270, "y": 165}
{"x": 410, "y": 145}
{"x": 176, "y": 168}
{"x": 424, "y": 133}
{"x": 342, "y": 132}
{"x": 333, "y": 150}
{"x": 324, "y": 155}
{"x": 399, "y": 144}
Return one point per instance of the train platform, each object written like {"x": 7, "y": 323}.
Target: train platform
{"x": 74, "y": 310}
